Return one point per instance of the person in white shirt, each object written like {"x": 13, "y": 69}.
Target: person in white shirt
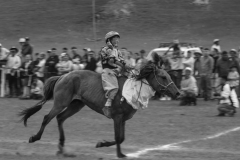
{"x": 3, "y": 52}
{"x": 65, "y": 65}
{"x": 12, "y": 66}
{"x": 189, "y": 88}
{"x": 228, "y": 101}
{"x": 216, "y": 46}
{"x": 188, "y": 61}
{"x": 41, "y": 66}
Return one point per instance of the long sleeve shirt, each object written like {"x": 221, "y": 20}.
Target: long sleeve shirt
{"x": 27, "y": 49}
{"x": 13, "y": 62}
{"x": 176, "y": 63}
{"x": 3, "y": 53}
{"x": 223, "y": 66}
{"x": 207, "y": 64}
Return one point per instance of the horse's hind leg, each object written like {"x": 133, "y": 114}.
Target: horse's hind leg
{"x": 73, "y": 108}
{"x": 47, "y": 118}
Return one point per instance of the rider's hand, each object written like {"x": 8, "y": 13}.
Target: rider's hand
{"x": 110, "y": 45}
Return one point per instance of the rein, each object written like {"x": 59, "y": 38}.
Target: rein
{"x": 164, "y": 87}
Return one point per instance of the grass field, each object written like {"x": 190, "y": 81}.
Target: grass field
{"x": 196, "y": 132}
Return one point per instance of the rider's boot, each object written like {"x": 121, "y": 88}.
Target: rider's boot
{"x": 107, "y": 110}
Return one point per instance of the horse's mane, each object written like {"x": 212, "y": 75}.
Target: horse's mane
{"x": 145, "y": 70}
{"x": 148, "y": 67}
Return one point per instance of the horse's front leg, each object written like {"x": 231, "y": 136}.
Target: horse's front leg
{"x": 105, "y": 143}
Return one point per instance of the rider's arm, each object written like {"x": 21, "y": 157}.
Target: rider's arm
{"x": 114, "y": 63}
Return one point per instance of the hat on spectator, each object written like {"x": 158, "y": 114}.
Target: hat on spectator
{"x": 21, "y": 40}
{"x": 27, "y": 38}
{"x": 188, "y": 68}
{"x": 198, "y": 52}
{"x": 142, "y": 51}
{"x": 233, "y": 50}
{"x": 91, "y": 51}
{"x": 49, "y": 51}
{"x": 13, "y": 49}
{"x": 74, "y": 48}
{"x": 87, "y": 49}
{"x": 54, "y": 49}
{"x": 216, "y": 40}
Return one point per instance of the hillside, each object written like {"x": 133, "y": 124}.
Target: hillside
{"x": 145, "y": 23}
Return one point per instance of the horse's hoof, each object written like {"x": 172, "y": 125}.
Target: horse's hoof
{"x": 31, "y": 140}
{"x": 99, "y": 144}
{"x": 122, "y": 156}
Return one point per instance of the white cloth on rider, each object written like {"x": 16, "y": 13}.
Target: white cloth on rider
{"x": 131, "y": 89}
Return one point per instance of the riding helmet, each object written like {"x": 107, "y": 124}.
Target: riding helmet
{"x": 111, "y": 34}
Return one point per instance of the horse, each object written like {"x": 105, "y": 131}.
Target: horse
{"x": 72, "y": 91}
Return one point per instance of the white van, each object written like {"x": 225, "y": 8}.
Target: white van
{"x": 163, "y": 49}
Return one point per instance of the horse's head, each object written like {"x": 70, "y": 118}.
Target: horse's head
{"x": 159, "y": 80}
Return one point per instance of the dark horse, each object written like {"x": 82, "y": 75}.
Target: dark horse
{"x": 71, "y": 92}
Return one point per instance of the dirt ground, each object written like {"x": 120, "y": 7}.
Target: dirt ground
{"x": 161, "y": 124}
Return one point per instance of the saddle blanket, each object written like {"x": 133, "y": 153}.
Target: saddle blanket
{"x": 137, "y": 93}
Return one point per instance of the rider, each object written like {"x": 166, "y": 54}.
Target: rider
{"x": 112, "y": 63}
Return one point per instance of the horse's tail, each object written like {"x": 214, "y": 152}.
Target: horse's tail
{"x": 47, "y": 95}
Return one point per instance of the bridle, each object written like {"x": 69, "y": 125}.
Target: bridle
{"x": 163, "y": 87}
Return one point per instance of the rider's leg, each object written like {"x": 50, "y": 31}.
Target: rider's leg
{"x": 110, "y": 85}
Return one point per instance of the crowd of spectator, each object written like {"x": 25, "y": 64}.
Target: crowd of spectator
{"x": 196, "y": 74}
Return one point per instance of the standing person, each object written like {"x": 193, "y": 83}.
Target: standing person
{"x": 65, "y": 65}
{"x": 3, "y": 52}
{"x": 75, "y": 53}
{"x": 50, "y": 65}
{"x": 26, "y": 49}
{"x": 41, "y": 66}
{"x": 3, "y": 55}
{"x": 13, "y": 64}
{"x": 197, "y": 70}
{"x": 222, "y": 68}
{"x": 112, "y": 62}
{"x": 176, "y": 62}
{"x": 228, "y": 101}
{"x": 26, "y": 71}
{"x": 233, "y": 77}
{"x": 140, "y": 59}
{"x": 91, "y": 63}
{"x": 205, "y": 72}
{"x": 216, "y": 45}
{"x": 65, "y": 50}
{"x": 188, "y": 61}
{"x": 235, "y": 60}
{"x": 85, "y": 55}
